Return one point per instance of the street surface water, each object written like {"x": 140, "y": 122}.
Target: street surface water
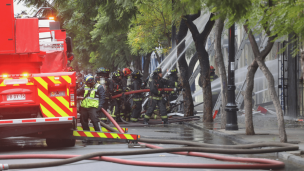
{"x": 23, "y": 145}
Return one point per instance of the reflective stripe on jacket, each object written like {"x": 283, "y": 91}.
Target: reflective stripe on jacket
{"x": 92, "y": 100}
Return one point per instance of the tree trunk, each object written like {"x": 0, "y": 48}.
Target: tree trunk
{"x": 259, "y": 58}
{"x": 202, "y": 55}
{"x": 147, "y": 65}
{"x": 219, "y": 26}
{"x": 183, "y": 67}
{"x": 248, "y": 97}
{"x": 302, "y": 63}
{"x": 275, "y": 99}
{"x": 137, "y": 63}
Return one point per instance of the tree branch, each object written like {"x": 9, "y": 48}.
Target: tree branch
{"x": 194, "y": 16}
{"x": 253, "y": 43}
{"x": 192, "y": 27}
{"x": 204, "y": 35}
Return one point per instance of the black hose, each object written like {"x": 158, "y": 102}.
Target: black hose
{"x": 138, "y": 152}
{"x": 107, "y": 126}
{"x": 198, "y": 144}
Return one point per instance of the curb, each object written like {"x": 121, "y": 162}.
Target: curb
{"x": 281, "y": 155}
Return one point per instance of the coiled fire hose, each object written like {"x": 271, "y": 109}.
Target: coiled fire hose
{"x": 190, "y": 151}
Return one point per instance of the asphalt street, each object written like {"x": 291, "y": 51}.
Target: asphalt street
{"x": 22, "y": 145}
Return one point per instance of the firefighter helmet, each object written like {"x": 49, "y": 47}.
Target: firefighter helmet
{"x": 116, "y": 74}
{"x": 173, "y": 71}
{"x": 211, "y": 67}
{"x": 136, "y": 74}
{"x": 89, "y": 79}
{"x": 126, "y": 71}
{"x": 102, "y": 71}
{"x": 157, "y": 71}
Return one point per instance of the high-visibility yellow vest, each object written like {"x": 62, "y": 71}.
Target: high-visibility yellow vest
{"x": 92, "y": 100}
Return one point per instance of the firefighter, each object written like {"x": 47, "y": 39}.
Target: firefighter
{"x": 116, "y": 87}
{"x": 213, "y": 76}
{"x": 94, "y": 97}
{"x": 103, "y": 79}
{"x": 173, "y": 78}
{"x": 137, "y": 98}
{"x": 157, "y": 97}
{"x": 125, "y": 112}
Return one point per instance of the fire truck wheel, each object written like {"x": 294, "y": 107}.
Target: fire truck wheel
{"x": 68, "y": 142}
{"x": 52, "y": 143}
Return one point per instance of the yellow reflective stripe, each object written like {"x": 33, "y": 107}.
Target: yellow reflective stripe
{"x": 46, "y": 112}
{"x": 68, "y": 92}
{"x": 113, "y": 111}
{"x": 76, "y": 134}
{"x": 42, "y": 82}
{"x": 88, "y": 134}
{"x": 114, "y": 135}
{"x": 51, "y": 103}
{"x": 67, "y": 78}
{"x": 52, "y": 78}
{"x": 128, "y": 136}
{"x": 102, "y": 135}
{"x": 16, "y": 85}
{"x": 79, "y": 128}
{"x": 29, "y": 83}
{"x": 65, "y": 103}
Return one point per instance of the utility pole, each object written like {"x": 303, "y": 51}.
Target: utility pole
{"x": 231, "y": 107}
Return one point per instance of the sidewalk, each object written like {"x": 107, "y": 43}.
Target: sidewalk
{"x": 266, "y": 130}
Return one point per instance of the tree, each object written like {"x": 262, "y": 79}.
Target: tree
{"x": 200, "y": 42}
{"x": 183, "y": 66}
{"x": 286, "y": 18}
{"x": 219, "y": 26}
{"x": 261, "y": 8}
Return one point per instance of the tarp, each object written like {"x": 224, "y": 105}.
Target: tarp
{"x": 54, "y": 61}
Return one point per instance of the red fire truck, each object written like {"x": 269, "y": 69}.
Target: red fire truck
{"x": 34, "y": 83}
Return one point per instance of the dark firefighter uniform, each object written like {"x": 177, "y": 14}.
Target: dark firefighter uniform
{"x": 173, "y": 79}
{"x": 156, "y": 98}
{"x": 137, "y": 98}
{"x": 125, "y": 111}
{"x": 94, "y": 96}
{"x": 116, "y": 87}
{"x": 103, "y": 79}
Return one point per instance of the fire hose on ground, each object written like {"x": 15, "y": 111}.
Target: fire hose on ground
{"x": 189, "y": 151}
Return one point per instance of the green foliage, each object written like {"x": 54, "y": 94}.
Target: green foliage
{"x": 151, "y": 28}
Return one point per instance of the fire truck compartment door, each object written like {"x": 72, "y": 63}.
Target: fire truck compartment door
{"x": 7, "y": 40}
{"x": 27, "y": 35}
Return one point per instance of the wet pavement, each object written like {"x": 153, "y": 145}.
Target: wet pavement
{"x": 23, "y": 145}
